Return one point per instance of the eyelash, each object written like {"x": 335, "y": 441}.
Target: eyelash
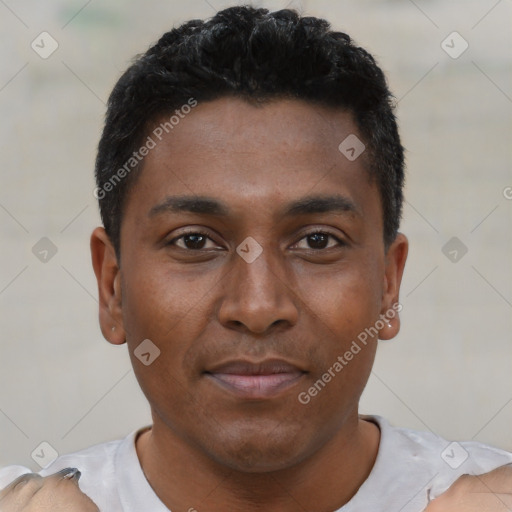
{"x": 340, "y": 243}
{"x": 188, "y": 233}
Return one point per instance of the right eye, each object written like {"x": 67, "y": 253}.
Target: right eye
{"x": 193, "y": 241}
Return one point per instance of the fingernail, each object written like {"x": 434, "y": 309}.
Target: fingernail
{"x": 69, "y": 473}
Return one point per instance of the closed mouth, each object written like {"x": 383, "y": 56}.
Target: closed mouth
{"x": 256, "y": 380}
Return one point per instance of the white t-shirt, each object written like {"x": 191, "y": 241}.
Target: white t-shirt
{"x": 411, "y": 469}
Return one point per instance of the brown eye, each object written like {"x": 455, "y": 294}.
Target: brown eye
{"x": 319, "y": 240}
{"x": 194, "y": 241}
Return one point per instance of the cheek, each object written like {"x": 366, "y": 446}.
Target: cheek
{"x": 162, "y": 304}
{"x": 343, "y": 309}
{"x": 166, "y": 310}
{"x": 171, "y": 309}
{"x": 345, "y": 302}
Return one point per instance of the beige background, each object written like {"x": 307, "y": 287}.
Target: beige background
{"x": 449, "y": 370}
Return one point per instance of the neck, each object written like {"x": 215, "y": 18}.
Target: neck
{"x": 187, "y": 481}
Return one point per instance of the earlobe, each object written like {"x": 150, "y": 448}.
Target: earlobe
{"x": 391, "y": 326}
{"x": 108, "y": 277}
{"x": 395, "y": 263}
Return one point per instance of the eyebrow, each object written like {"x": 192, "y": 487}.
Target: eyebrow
{"x": 320, "y": 204}
{"x": 203, "y": 205}
{"x": 191, "y": 204}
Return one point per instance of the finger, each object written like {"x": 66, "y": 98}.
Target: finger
{"x": 20, "y": 491}
{"x": 71, "y": 474}
{"x": 28, "y": 480}
{"x": 60, "y": 494}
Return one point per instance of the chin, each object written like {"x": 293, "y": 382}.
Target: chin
{"x": 258, "y": 450}
{"x": 254, "y": 458}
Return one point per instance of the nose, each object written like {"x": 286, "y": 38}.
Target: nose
{"x": 257, "y": 296}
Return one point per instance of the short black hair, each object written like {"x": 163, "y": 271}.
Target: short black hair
{"x": 256, "y": 55}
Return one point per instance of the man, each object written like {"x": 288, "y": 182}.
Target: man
{"x": 250, "y": 181}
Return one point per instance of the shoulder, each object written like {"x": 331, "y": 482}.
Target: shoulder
{"x": 439, "y": 452}
{"x": 96, "y": 459}
{"x": 451, "y": 460}
{"x": 491, "y": 492}
{"x": 97, "y": 465}
{"x": 431, "y": 449}
{"x": 420, "y": 466}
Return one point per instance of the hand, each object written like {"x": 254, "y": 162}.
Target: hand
{"x": 491, "y": 492}
{"x": 54, "y": 493}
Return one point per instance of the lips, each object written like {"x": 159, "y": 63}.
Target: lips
{"x": 256, "y": 380}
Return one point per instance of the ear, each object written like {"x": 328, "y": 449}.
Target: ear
{"x": 108, "y": 276}
{"x": 395, "y": 264}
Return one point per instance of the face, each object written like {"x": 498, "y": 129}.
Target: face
{"x": 252, "y": 257}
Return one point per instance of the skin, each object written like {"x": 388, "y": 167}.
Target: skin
{"x": 491, "y": 492}
{"x": 203, "y": 307}
{"x": 55, "y": 493}
{"x": 210, "y": 448}
{"x": 303, "y": 300}
{"x": 31, "y": 492}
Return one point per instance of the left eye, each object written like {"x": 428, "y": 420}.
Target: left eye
{"x": 319, "y": 240}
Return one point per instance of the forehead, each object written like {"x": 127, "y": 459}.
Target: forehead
{"x": 253, "y": 156}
